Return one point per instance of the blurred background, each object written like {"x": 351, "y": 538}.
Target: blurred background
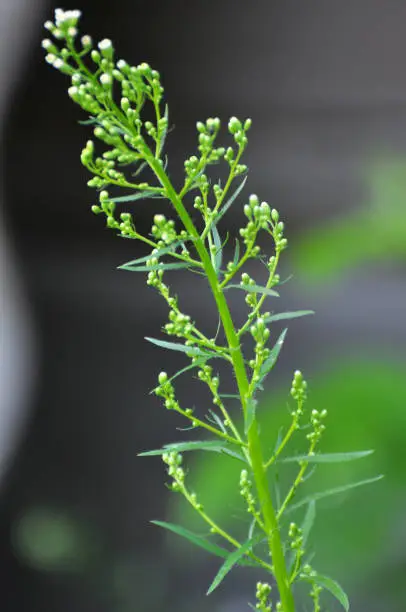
{"x": 325, "y": 84}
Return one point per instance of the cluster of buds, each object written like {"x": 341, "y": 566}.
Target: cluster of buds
{"x": 180, "y": 324}
{"x": 126, "y": 224}
{"x": 64, "y": 25}
{"x": 315, "y": 595}
{"x": 299, "y": 387}
{"x": 238, "y": 130}
{"x": 164, "y": 230}
{"x": 260, "y": 332}
{"x": 94, "y": 93}
{"x": 207, "y": 134}
{"x": 107, "y": 207}
{"x": 205, "y": 374}
{"x": 250, "y": 298}
{"x": 174, "y": 462}
{"x": 318, "y": 427}
{"x": 246, "y": 492}
{"x": 154, "y": 278}
{"x": 166, "y": 390}
{"x": 259, "y": 217}
{"x": 263, "y": 597}
{"x": 103, "y": 169}
{"x": 277, "y": 232}
{"x": 296, "y": 542}
{"x": 271, "y": 265}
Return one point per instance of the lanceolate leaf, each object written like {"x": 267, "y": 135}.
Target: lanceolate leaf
{"x": 273, "y": 356}
{"x": 287, "y": 315}
{"x": 140, "y": 169}
{"x": 250, "y": 414}
{"x": 180, "y": 447}
{"x": 218, "y": 258}
{"x": 335, "y": 491}
{"x": 229, "y": 563}
{"x": 254, "y": 289}
{"x": 330, "y": 585}
{"x": 200, "y": 541}
{"x": 165, "y": 131}
{"x": 327, "y": 457}
{"x": 206, "y": 445}
{"x": 308, "y": 521}
{"x": 236, "y": 252}
{"x": 231, "y": 199}
{"x": 175, "y": 346}
{"x": 159, "y": 266}
{"x": 140, "y": 195}
{"x": 164, "y": 251}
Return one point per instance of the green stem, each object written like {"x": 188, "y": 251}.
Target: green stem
{"x": 254, "y": 444}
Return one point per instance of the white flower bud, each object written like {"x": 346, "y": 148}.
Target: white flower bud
{"x": 106, "y": 79}
{"x": 105, "y": 44}
{"x": 86, "y": 41}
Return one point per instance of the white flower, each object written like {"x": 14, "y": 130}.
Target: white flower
{"x": 48, "y": 25}
{"x": 50, "y": 58}
{"x": 72, "y": 31}
{"x": 46, "y": 43}
{"x": 62, "y": 16}
{"x": 58, "y": 63}
{"x": 121, "y": 64}
{"x": 73, "y": 91}
{"x": 86, "y": 41}
{"x": 105, "y": 44}
{"x": 106, "y": 79}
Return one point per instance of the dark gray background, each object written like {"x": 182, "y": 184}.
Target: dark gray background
{"x": 324, "y": 82}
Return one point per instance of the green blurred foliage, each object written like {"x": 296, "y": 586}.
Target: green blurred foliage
{"x": 375, "y": 232}
{"x": 366, "y": 402}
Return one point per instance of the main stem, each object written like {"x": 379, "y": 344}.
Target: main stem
{"x": 254, "y": 443}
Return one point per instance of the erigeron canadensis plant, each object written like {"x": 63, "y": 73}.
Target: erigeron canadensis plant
{"x": 114, "y": 93}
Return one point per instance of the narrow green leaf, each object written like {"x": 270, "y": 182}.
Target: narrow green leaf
{"x": 236, "y": 252}
{"x": 230, "y": 396}
{"x": 165, "y": 131}
{"x": 254, "y": 289}
{"x": 330, "y": 585}
{"x": 194, "y": 538}
{"x": 287, "y": 315}
{"x": 91, "y": 121}
{"x": 273, "y": 356}
{"x": 205, "y": 445}
{"x": 140, "y": 195}
{"x": 250, "y": 414}
{"x": 191, "y": 366}
{"x": 229, "y": 563}
{"x": 335, "y": 491}
{"x": 158, "y": 266}
{"x": 308, "y": 520}
{"x": 218, "y": 258}
{"x": 140, "y": 169}
{"x": 175, "y": 346}
{"x": 231, "y": 199}
{"x": 327, "y": 457}
{"x": 200, "y": 541}
{"x": 164, "y": 251}
{"x": 215, "y": 419}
